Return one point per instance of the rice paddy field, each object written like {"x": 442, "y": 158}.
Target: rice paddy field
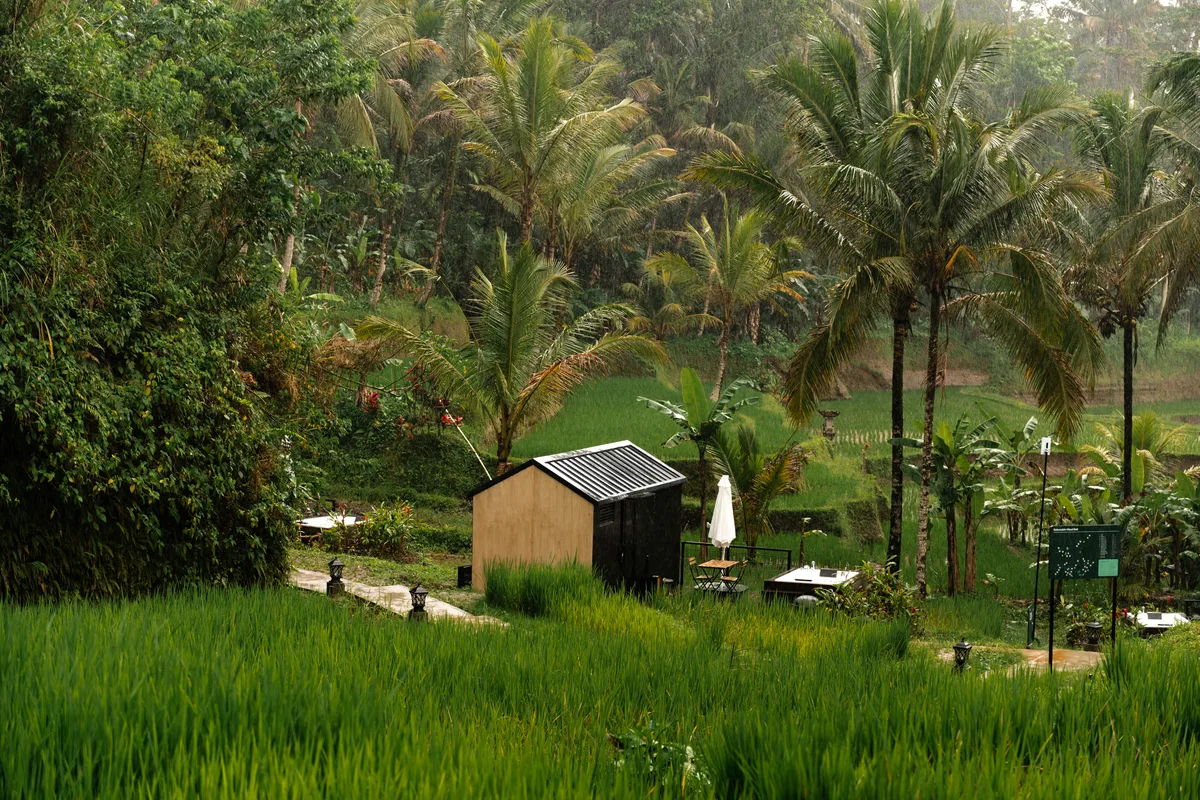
{"x": 607, "y": 410}
{"x": 279, "y": 693}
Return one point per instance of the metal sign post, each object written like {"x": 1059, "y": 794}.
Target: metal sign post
{"x": 1084, "y": 552}
{"x": 1037, "y": 570}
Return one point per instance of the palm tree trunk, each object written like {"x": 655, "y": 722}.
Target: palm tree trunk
{"x": 952, "y": 550}
{"x": 755, "y": 321}
{"x": 1015, "y": 517}
{"x": 443, "y": 215}
{"x": 969, "y": 533}
{"x": 653, "y": 228}
{"x": 931, "y": 374}
{"x": 896, "y": 518}
{"x": 384, "y": 245}
{"x": 503, "y": 449}
{"x": 702, "y": 468}
{"x": 723, "y": 348}
{"x": 526, "y": 220}
{"x": 1127, "y": 445}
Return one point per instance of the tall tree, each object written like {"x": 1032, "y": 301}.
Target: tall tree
{"x": 1120, "y": 262}
{"x": 737, "y": 269}
{"x": 541, "y": 106}
{"x": 520, "y": 360}
{"x": 919, "y": 200}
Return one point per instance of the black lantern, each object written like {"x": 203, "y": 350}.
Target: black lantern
{"x": 419, "y": 593}
{"x": 334, "y": 587}
{"x": 1093, "y": 636}
{"x": 962, "y": 654}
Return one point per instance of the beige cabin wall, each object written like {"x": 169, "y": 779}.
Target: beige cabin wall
{"x": 530, "y": 517}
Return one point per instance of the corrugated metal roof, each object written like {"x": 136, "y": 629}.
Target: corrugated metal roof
{"x": 610, "y": 471}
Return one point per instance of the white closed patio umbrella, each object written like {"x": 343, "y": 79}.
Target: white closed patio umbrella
{"x": 721, "y": 531}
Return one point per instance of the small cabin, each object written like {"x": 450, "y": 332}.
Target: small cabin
{"x": 615, "y": 508}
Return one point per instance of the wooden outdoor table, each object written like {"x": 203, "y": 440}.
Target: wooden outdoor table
{"x": 717, "y": 563}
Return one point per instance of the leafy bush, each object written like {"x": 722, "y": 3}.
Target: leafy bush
{"x": 879, "y": 595}
{"x": 384, "y": 533}
{"x": 538, "y": 589}
{"x": 640, "y": 752}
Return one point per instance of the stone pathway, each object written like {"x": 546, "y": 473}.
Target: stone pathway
{"x": 1039, "y": 660}
{"x": 1063, "y": 659}
{"x": 396, "y": 598}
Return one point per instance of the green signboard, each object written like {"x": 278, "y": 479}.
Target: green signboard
{"x": 1084, "y": 551}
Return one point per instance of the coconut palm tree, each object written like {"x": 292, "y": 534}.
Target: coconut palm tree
{"x": 606, "y": 192}
{"x": 1120, "y": 263}
{"x": 520, "y": 360}
{"x": 663, "y": 305}
{"x": 398, "y": 102}
{"x": 919, "y": 201}
{"x": 539, "y": 110}
{"x": 736, "y": 269}
{"x": 462, "y": 22}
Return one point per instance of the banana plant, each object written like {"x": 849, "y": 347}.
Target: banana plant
{"x": 700, "y": 419}
{"x": 1017, "y": 444}
{"x": 961, "y": 455}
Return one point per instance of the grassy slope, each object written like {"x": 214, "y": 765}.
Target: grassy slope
{"x": 283, "y": 694}
{"x": 607, "y": 410}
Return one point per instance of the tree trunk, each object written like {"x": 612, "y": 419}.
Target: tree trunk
{"x": 896, "y": 518}
{"x": 289, "y": 244}
{"x": 702, "y": 468}
{"x": 385, "y": 244}
{"x": 755, "y": 321}
{"x": 952, "y": 550}
{"x": 1127, "y": 434}
{"x": 552, "y": 238}
{"x": 723, "y": 348}
{"x": 653, "y": 228}
{"x": 526, "y": 221}
{"x": 443, "y": 215}
{"x": 1015, "y": 517}
{"x": 969, "y": 573}
{"x": 503, "y": 450}
{"x": 931, "y": 375}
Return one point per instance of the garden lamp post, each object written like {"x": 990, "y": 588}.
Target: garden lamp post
{"x": 1093, "y": 636}
{"x": 335, "y": 587}
{"x": 419, "y": 593}
{"x": 962, "y": 654}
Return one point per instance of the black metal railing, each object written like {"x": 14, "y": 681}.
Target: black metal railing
{"x": 760, "y": 558}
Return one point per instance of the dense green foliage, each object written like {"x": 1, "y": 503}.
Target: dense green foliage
{"x": 145, "y": 155}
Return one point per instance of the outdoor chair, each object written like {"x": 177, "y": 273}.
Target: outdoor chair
{"x": 704, "y": 579}
{"x": 731, "y": 582}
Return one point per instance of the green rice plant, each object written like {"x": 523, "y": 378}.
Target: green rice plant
{"x": 952, "y": 617}
{"x": 537, "y": 589}
{"x": 279, "y": 693}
